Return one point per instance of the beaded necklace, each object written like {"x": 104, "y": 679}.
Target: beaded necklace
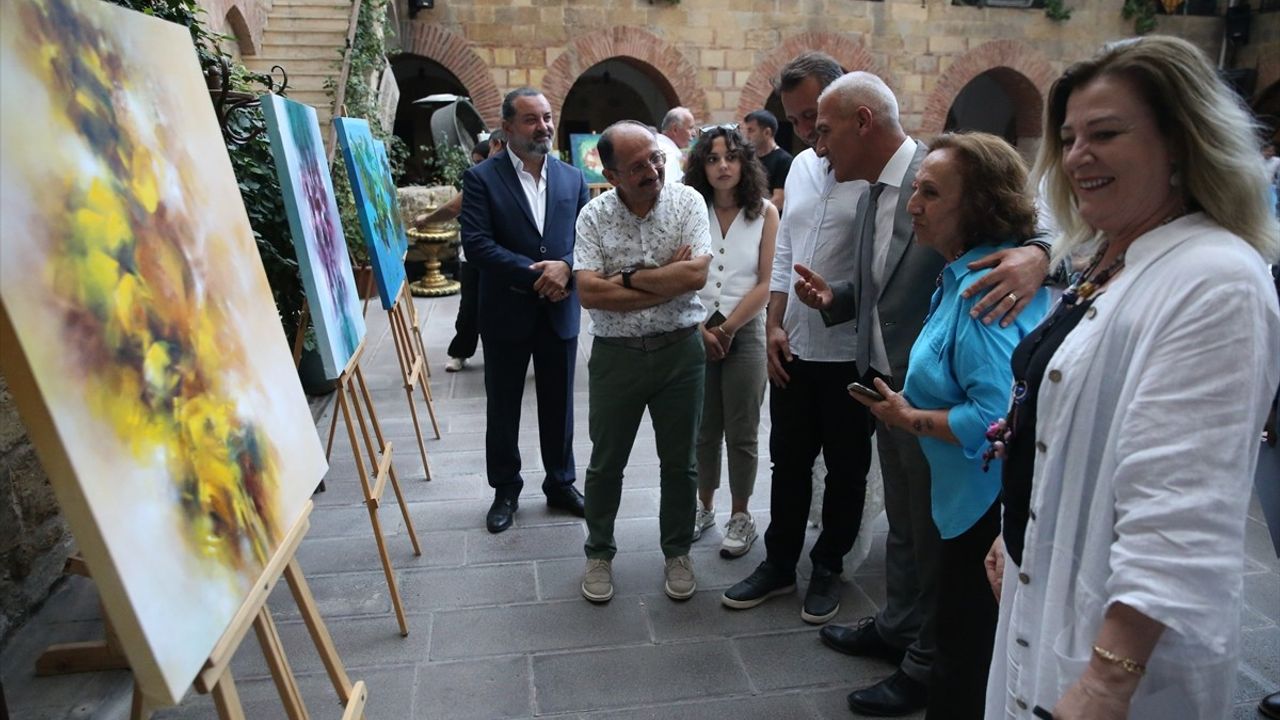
{"x": 1084, "y": 285}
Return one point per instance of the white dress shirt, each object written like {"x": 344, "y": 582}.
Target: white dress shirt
{"x": 816, "y": 231}
{"x": 674, "y": 171}
{"x": 891, "y": 177}
{"x": 535, "y": 189}
{"x": 1147, "y": 438}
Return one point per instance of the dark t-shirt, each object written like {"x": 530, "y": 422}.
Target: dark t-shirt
{"x": 776, "y": 166}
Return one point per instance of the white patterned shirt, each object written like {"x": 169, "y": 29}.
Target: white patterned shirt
{"x": 611, "y": 239}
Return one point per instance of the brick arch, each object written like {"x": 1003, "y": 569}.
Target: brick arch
{"x": 456, "y": 55}
{"x": 624, "y": 42}
{"x": 239, "y": 28}
{"x": 1021, "y": 72}
{"x": 846, "y": 49}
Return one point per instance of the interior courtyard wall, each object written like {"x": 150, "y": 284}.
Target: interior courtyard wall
{"x": 730, "y": 48}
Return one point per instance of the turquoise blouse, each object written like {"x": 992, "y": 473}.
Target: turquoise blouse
{"x": 961, "y": 364}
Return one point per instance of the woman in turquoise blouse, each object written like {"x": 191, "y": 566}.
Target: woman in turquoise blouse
{"x": 969, "y": 202}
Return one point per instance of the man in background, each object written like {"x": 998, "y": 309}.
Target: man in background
{"x": 761, "y": 127}
{"x": 674, "y": 135}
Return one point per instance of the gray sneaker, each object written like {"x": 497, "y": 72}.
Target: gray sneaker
{"x": 739, "y": 534}
{"x": 597, "y": 582}
{"x": 706, "y": 518}
{"x": 680, "y": 584}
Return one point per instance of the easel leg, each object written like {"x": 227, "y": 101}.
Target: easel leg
{"x": 273, "y": 649}
{"x": 371, "y": 502}
{"x": 141, "y": 708}
{"x": 426, "y": 368}
{"x": 318, "y": 630}
{"x": 226, "y": 699}
{"x": 410, "y": 372}
{"x": 391, "y": 469}
{"x": 333, "y": 429}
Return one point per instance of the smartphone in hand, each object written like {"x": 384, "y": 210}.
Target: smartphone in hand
{"x": 866, "y": 392}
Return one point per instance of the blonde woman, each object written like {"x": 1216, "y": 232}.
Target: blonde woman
{"x": 1133, "y": 436}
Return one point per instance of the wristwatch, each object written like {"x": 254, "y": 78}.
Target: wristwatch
{"x": 626, "y": 277}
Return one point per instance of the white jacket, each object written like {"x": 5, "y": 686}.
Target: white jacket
{"x": 1149, "y": 417}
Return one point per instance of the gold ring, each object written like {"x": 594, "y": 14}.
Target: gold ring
{"x": 1013, "y": 297}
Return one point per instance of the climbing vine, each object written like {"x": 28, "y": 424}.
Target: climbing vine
{"x": 1143, "y": 14}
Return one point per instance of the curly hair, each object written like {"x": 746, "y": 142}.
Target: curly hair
{"x": 752, "y": 185}
{"x": 1212, "y": 133}
{"x": 996, "y": 206}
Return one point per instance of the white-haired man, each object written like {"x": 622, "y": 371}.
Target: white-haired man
{"x": 674, "y": 135}
{"x": 859, "y": 132}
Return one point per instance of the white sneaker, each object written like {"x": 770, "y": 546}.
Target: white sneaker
{"x": 704, "y": 519}
{"x": 455, "y": 364}
{"x": 739, "y": 534}
{"x": 679, "y": 584}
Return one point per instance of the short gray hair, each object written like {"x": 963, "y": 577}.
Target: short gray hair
{"x": 864, "y": 89}
{"x": 675, "y": 116}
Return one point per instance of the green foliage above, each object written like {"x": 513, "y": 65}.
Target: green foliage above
{"x": 1143, "y": 14}
{"x": 1056, "y": 10}
{"x": 368, "y": 58}
{"x": 444, "y": 165}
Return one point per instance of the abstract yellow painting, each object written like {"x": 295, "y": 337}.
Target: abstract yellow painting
{"x": 159, "y": 386}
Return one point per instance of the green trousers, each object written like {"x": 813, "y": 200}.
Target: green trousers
{"x": 623, "y": 383}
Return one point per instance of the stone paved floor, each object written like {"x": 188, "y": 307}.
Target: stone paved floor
{"x": 497, "y": 628}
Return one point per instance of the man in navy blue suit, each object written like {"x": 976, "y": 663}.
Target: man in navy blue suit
{"x": 518, "y": 213}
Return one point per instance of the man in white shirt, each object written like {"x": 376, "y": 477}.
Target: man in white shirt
{"x": 674, "y": 135}
{"x": 809, "y": 365}
{"x": 642, "y": 254}
{"x": 518, "y": 214}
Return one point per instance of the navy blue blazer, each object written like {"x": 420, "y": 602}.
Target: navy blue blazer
{"x": 500, "y": 237}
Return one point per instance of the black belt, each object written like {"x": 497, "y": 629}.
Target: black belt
{"x": 649, "y": 343}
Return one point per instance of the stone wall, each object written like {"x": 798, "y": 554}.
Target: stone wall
{"x": 719, "y": 55}
{"x": 34, "y": 539}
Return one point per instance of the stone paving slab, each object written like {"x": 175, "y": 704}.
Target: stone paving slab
{"x": 634, "y": 676}
{"x": 537, "y": 626}
{"x": 498, "y": 628}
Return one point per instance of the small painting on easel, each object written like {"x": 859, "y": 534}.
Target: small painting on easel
{"x": 376, "y": 205}
{"x": 139, "y": 335}
{"x": 317, "y": 231}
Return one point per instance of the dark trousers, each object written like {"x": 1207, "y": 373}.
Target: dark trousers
{"x": 815, "y": 413}
{"x": 911, "y": 548}
{"x": 505, "y": 364}
{"x": 466, "y": 328}
{"x": 966, "y": 623}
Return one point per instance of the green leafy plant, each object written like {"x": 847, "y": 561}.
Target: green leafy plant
{"x": 360, "y": 98}
{"x": 444, "y": 164}
{"x": 1056, "y": 10}
{"x": 1143, "y": 14}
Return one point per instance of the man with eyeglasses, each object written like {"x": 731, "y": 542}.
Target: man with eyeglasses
{"x": 642, "y": 253}
{"x": 678, "y": 129}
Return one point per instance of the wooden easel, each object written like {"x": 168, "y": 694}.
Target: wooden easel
{"x": 354, "y": 402}
{"x": 411, "y": 355}
{"x": 216, "y": 676}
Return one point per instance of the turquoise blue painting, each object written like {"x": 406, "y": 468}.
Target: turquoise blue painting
{"x": 376, "y": 205}
{"x": 317, "y": 231}
{"x": 586, "y": 157}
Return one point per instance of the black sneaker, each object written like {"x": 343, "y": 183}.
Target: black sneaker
{"x": 766, "y": 582}
{"x": 822, "y": 601}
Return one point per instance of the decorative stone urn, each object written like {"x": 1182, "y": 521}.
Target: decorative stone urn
{"x": 431, "y": 242}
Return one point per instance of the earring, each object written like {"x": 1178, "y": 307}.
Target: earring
{"x": 1175, "y": 178}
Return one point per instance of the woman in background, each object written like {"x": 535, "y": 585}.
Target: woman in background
{"x": 724, "y": 168}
